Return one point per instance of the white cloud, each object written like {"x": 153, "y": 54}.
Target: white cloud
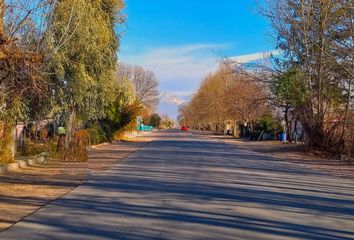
{"x": 177, "y": 97}
{"x": 254, "y": 56}
{"x": 186, "y": 63}
{"x": 171, "y": 98}
{"x": 180, "y": 69}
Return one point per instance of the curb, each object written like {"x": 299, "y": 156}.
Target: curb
{"x": 16, "y": 165}
{"x": 28, "y": 162}
{"x": 138, "y": 134}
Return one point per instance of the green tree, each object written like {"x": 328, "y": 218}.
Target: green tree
{"x": 121, "y": 111}
{"x": 289, "y": 94}
{"x": 84, "y": 65}
{"x": 316, "y": 39}
{"x": 155, "y": 120}
{"x": 166, "y": 122}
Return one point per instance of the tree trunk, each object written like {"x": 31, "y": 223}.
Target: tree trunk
{"x": 236, "y": 132}
{"x": 8, "y": 144}
{"x": 71, "y": 125}
{"x": 295, "y": 131}
{"x": 287, "y": 125}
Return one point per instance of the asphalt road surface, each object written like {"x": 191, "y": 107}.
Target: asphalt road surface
{"x": 182, "y": 186}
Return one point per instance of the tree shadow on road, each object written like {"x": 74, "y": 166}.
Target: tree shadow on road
{"x": 204, "y": 190}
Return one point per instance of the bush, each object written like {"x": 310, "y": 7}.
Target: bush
{"x": 267, "y": 124}
{"x": 96, "y": 135}
{"x": 30, "y": 148}
{"x": 43, "y": 134}
{"x": 78, "y": 146}
{"x": 255, "y": 134}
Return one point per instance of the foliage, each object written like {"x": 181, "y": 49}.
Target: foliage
{"x": 59, "y": 59}
{"x": 316, "y": 75}
{"x": 223, "y": 96}
{"x": 155, "y": 120}
{"x": 144, "y": 83}
{"x": 290, "y": 95}
{"x": 32, "y": 148}
{"x": 289, "y": 89}
{"x": 129, "y": 117}
{"x": 166, "y": 122}
{"x": 121, "y": 114}
{"x": 84, "y": 67}
{"x": 97, "y": 134}
{"x": 22, "y": 83}
{"x": 268, "y": 124}
{"x": 78, "y": 149}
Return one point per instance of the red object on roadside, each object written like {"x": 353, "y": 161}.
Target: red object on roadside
{"x": 184, "y": 128}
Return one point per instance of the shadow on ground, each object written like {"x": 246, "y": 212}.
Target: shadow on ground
{"x": 184, "y": 187}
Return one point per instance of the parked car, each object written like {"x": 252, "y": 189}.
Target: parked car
{"x": 184, "y": 128}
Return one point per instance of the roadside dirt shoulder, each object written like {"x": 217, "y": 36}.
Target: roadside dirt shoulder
{"x": 294, "y": 153}
{"x": 26, "y": 190}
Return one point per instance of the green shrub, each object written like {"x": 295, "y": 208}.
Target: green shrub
{"x": 267, "y": 124}
{"x": 5, "y": 156}
{"x": 52, "y": 146}
{"x": 96, "y": 135}
{"x": 31, "y": 148}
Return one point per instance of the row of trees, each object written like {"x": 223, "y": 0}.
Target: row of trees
{"x": 158, "y": 122}
{"x": 311, "y": 82}
{"x": 224, "y": 98}
{"x": 58, "y": 59}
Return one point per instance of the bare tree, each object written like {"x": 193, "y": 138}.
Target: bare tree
{"x": 144, "y": 82}
{"x": 21, "y": 58}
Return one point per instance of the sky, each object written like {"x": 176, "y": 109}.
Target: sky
{"x": 182, "y": 41}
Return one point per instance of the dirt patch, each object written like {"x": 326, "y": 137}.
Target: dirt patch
{"x": 24, "y": 191}
{"x": 294, "y": 153}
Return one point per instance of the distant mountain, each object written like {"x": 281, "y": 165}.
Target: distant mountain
{"x": 171, "y": 98}
{"x": 169, "y": 104}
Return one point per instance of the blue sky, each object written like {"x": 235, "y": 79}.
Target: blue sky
{"x": 183, "y": 40}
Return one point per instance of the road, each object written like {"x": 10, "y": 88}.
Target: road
{"x": 182, "y": 186}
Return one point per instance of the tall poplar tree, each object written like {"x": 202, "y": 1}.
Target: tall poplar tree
{"x": 83, "y": 66}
